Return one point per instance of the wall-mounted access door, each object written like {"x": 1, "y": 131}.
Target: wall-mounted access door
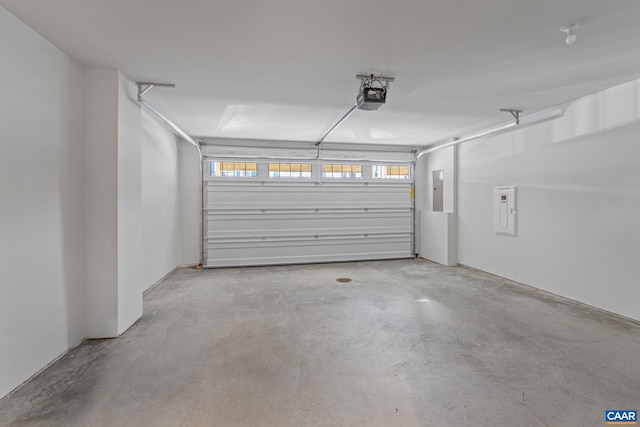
{"x": 438, "y": 190}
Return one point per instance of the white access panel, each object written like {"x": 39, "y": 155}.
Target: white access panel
{"x": 504, "y": 210}
{"x": 266, "y": 221}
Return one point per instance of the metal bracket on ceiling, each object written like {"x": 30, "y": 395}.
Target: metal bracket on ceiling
{"x": 371, "y": 78}
{"x": 514, "y": 113}
{"x": 144, "y": 87}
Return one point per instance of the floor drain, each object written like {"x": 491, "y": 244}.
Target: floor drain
{"x": 343, "y": 279}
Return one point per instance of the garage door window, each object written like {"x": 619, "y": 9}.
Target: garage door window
{"x": 233, "y": 169}
{"x": 390, "y": 172}
{"x": 341, "y": 171}
{"x": 290, "y": 170}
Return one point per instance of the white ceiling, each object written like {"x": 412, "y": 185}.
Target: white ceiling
{"x": 285, "y": 69}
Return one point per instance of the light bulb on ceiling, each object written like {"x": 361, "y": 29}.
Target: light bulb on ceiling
{"x": 569, "y": 30}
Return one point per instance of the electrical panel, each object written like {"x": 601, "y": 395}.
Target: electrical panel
{"x": 504, "y": 210}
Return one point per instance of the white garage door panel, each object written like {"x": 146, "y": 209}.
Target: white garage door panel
{"x": 239, "y": 224}
{"x": 246, "y": 195}
{"x": 261, "y": 221}
{"x": 223, "y": 253}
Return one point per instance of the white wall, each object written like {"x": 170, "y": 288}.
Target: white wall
{"x": 190, "y": 204}
{"x": 101, "y": 202}
{"x": 161, "y": 210}
{"x": 87, "y": 223}
{"x": 149, "y": 238}
{"x": 578, "y": 181}
{"x": 129, "y": 209}
{"x": 132, "y": 211}
{"x": 41, "y": 310}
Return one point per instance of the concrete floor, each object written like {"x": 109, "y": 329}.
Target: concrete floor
{"x": 406, "y": 343}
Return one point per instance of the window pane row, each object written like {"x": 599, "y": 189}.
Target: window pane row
{"x": 234, "y": 169}
{"x": 290, "y": 170}
{"x": 341, "y": 171}
{"x": 303, "y": 170}
{"x": 390, "y": 172}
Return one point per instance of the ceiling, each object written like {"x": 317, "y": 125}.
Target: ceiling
{"x": 285, "y": 69}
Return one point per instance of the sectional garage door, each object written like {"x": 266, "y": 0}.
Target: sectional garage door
{"x": 264, "y": 212}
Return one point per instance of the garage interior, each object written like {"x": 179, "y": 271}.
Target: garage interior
{"x": 198, "y": 178}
